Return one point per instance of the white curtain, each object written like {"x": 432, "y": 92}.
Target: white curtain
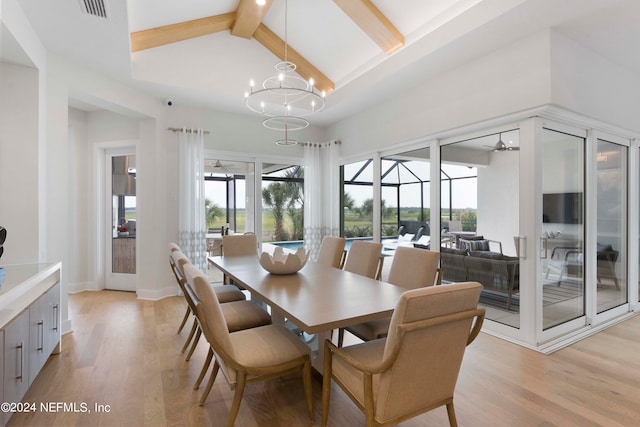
{"x": 192, "y": 223}
{"x": 321, "y": 194}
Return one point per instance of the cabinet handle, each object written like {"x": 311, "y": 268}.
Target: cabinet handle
{"x": 20, "y": 347}
{"x": 55, "y": 317}
{"x": 41, "y": 330}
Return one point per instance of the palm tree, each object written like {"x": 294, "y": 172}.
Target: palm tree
{"x": 348, "y": 201}
{"x": 295, "y": 206}
{"x": 366, "y": 210}
{"x": 212, "y": 212}
{"x": 275, "y": 196}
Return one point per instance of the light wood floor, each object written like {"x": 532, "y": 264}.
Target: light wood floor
{"x": 125, "y": 353}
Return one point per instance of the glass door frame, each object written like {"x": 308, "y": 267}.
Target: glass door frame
{"x": 115, "y": 281}
{"x": 633, "y": 227}
{"x": 592, "y": 307}
{"x": 541, "y": 336}
{"x": 524, "y": 334}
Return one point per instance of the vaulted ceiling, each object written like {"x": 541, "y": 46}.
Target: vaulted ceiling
{"x": 361, "y": 51}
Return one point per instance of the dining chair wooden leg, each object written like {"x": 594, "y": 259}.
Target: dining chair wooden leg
{"x": 237, "y": 398}
{"x": 193, "y": 331}
{"x": 205, "y": 367}
{"x": 306, "y": 378}
{"x": 212, "y": 378}
{"x": 184, "y": 319}
{"x": 452, "y": 415}
{"x": 194, "y": 345}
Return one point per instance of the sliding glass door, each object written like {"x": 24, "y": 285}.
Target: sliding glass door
{"x": 563, "y": 207}
{"x": 480, "y": 216}
{"x": 611, "y": 244}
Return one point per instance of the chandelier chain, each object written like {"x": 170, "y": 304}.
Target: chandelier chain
{"x": 286, "y": 98}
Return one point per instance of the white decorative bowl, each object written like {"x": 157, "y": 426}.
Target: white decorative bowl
{"x": 284, "y": 263}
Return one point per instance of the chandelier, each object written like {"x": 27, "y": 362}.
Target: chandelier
{"x": 285, "y": 99}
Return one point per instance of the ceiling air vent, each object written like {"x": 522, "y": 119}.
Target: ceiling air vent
{"x": 94, "y": 7}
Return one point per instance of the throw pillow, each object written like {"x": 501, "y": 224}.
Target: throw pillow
{"x": 478, "y": 245}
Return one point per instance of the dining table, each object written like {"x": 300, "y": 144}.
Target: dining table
{"x": 317, "y": 299}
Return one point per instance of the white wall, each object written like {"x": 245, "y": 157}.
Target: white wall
{"x": 22, "y": 125}
{"x": 80, "y": 235}
{"x": 239, "y": 133}
{"x": 498, "y": 199}
{"x": 19, "y": 163}
{"x": 587, "y": 83}
{"x": 514, "y": 78}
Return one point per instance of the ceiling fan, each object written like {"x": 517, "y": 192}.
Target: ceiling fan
{"x": 501, "y": 146}
{"x": 218, "y": 167}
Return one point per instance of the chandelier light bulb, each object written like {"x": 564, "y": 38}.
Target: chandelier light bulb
{"x": 311, "y": 81}
{"x": 246, "y": 94}
{"x": 324, "y": 94}
{"x": 252, "y": 83}
{"x": 281, "y": 76}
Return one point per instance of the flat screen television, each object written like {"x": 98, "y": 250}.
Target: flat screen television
{"x": 562, "y": 208}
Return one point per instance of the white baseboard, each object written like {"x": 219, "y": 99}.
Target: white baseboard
{"x": 73, "y": 288}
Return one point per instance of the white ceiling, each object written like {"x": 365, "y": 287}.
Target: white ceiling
{"x": 214, "y": 70}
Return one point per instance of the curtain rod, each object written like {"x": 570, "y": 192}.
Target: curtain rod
{"x": 186, "y": 130}
{"x": 319, "y": 144}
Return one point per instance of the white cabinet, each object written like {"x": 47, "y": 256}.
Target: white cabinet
{"x": 44, "y": 329}
{"x": 29, "y": 326}
{"x": 16, "y": 360}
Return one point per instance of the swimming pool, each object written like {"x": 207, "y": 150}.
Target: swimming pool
{"x": 295, "y": 244}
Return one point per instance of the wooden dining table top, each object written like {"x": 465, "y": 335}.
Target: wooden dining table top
{"x": 317, "y": 298}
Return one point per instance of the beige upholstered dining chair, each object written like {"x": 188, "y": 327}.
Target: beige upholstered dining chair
{"x": 239, "y": 313}
{"x": 364, "y": 259}
{"x": 239, "y": 245}
{"x": 411, "y": 268}
{"x": 251, "y": 355}
{"x": 224, "y": 293}
{"x": 331, "y": 253}
{"x": 414, "y": 369}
